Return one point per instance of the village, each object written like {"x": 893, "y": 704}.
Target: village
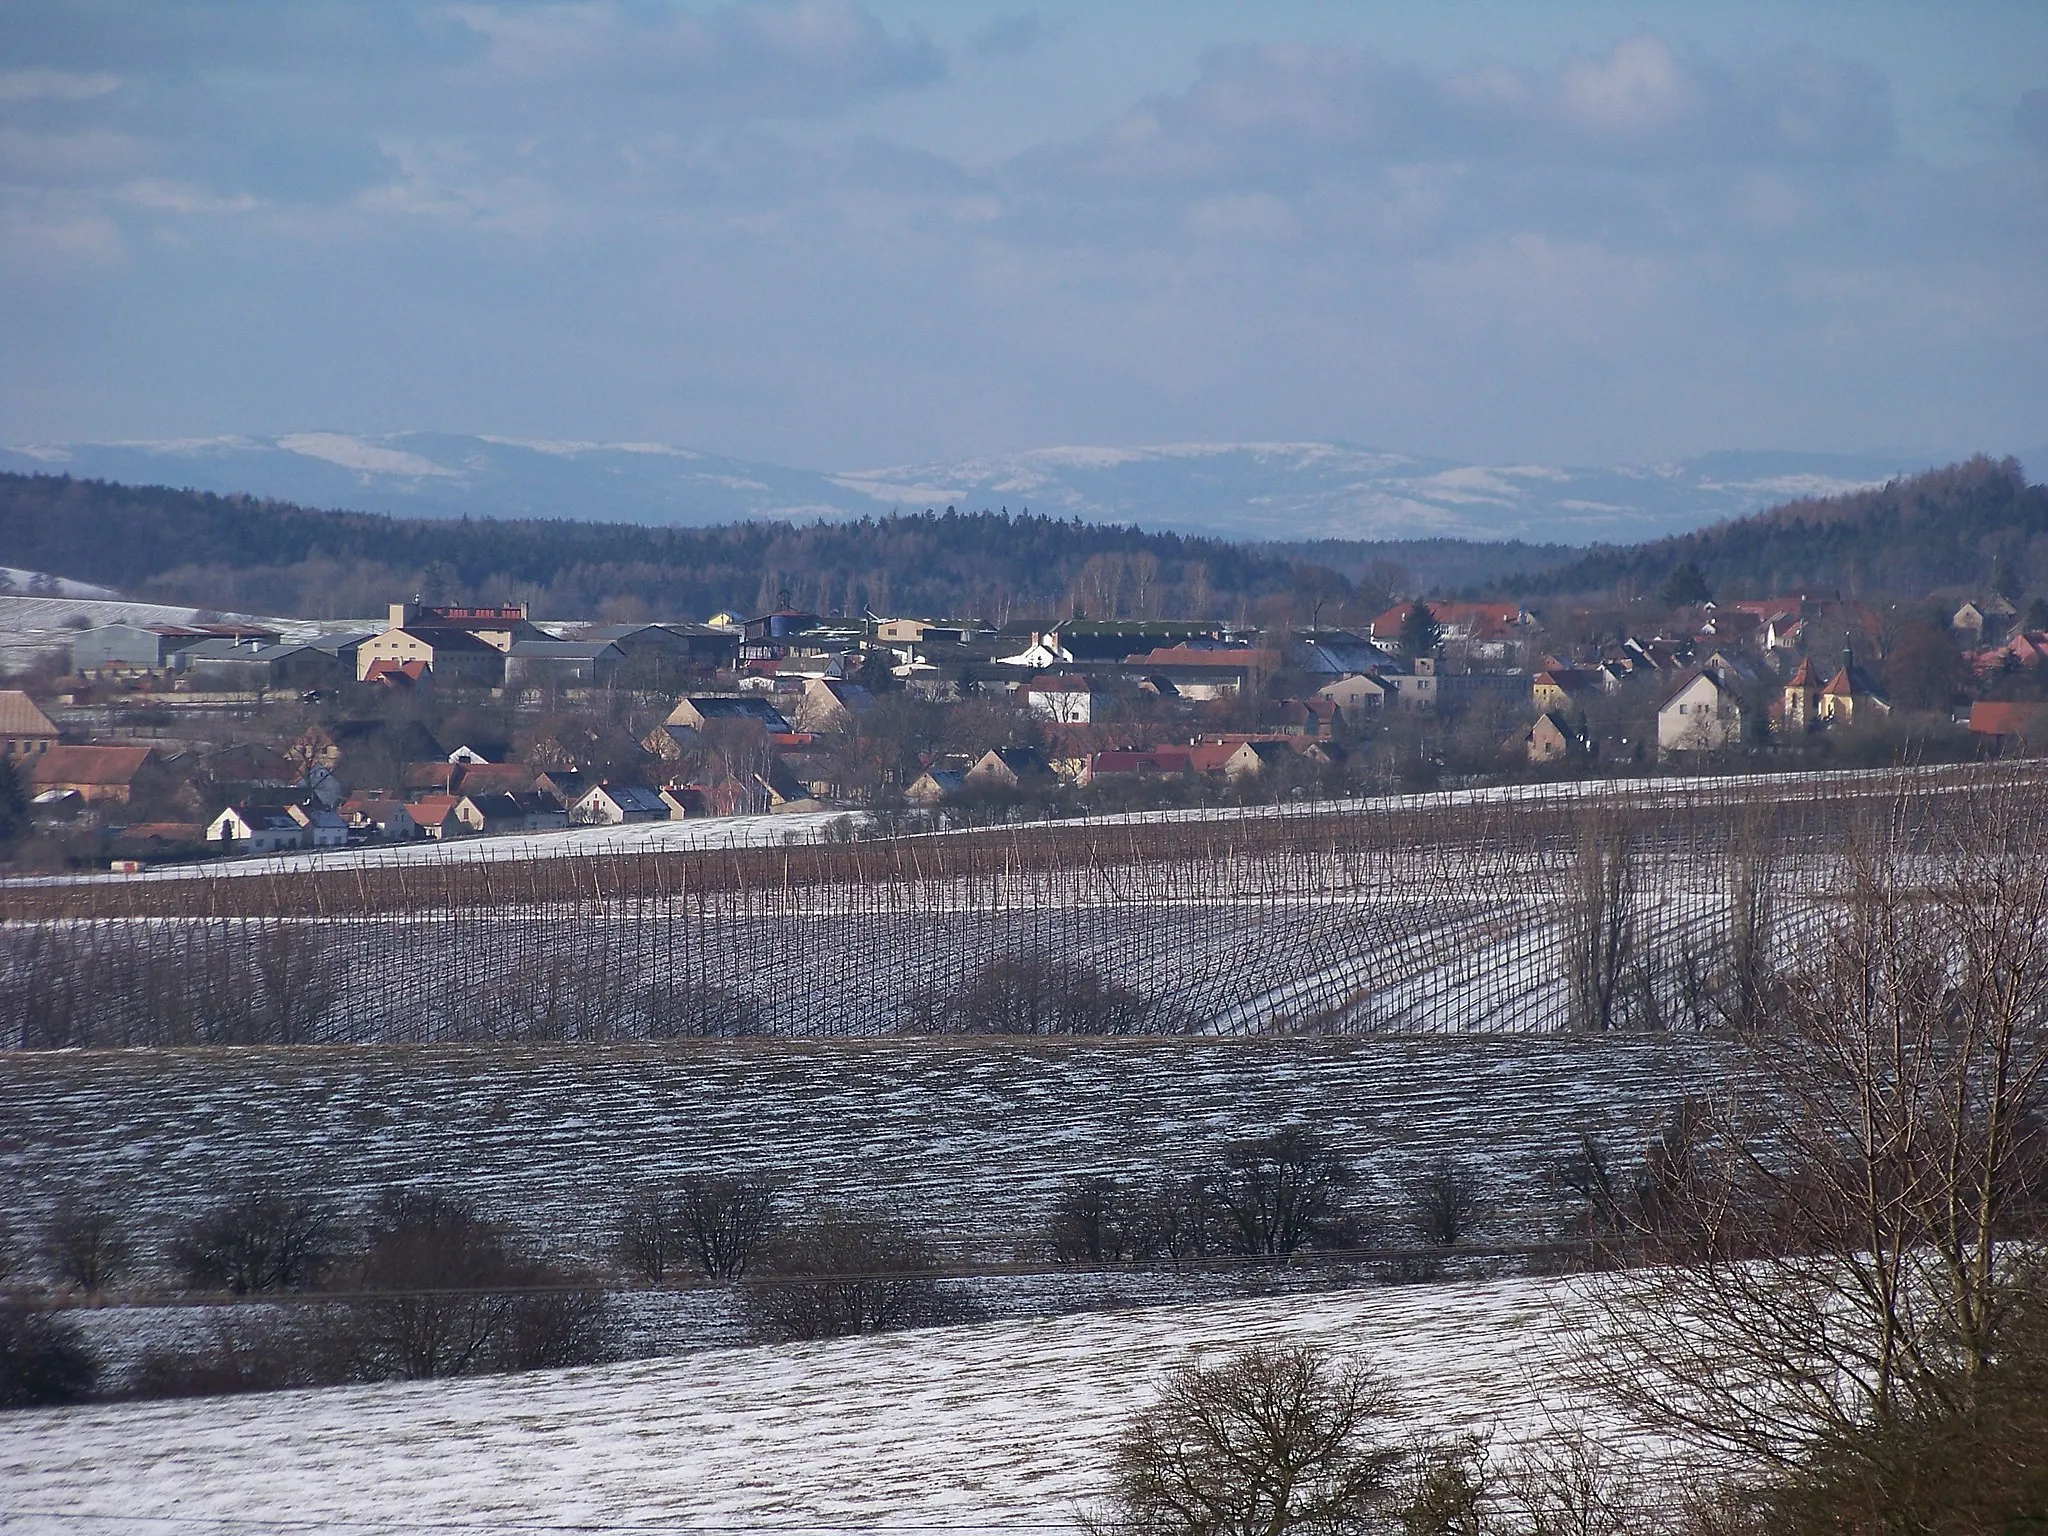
{"x": 149, "y": 742}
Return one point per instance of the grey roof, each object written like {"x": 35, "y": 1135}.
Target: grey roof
{"x": 228, "y": 650}
{"x": 635, "y": 797}
{"x": 564, "y": 650}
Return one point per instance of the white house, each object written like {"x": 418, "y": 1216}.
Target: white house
{"x": 322, "y": 827}
{"x": 1703, "y": 714}
{"x": 1416, "y": 689}
{"x": 613, "y": 805}
{"x": 257, "y": 830}
{"x": 1063, "y": 700}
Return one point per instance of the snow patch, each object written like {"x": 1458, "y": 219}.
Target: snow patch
{"x": 354, "y": 453}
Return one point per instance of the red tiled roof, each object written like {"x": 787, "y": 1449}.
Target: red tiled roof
{"x": 1995, "y": 718}
{"x": 89, "y": 765}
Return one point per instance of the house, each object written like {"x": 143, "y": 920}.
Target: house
{"x": 385, "y": 672}
{"x": 1550, "y": 739}
{"x": 1008, "y": 768}
{"x": 1360, "y": 693}
{"x": 1336, "y": 653}
{"x": 25, "y": 731}
{"x": 1417, "y": 688}
{"x": 1986, "y": 620}
{"x": 1151, "y": 763}
{"x": 832, "y": 707}
{"x": 496, "y": 812}
{"x": 1851, "y": 695}
{"x": 1702, "y": 714}
{"x": 772, "y": 636}
{"x": 1565, "y": 688}
{"x": 2026, "y": 649}
{"x": 2014, "y": 725}
{"x": 1206, "y": 672}
{"x": 612, "y": 805}
{"x": 694, "y": 713}
{"x": 496, "y": 779}
{"x": 499, "y": 627}
{"x": 97, "y": 775}
{"x": 1253, "y": 758}
{"x": 1459, "y": 621}
{"x": 565, "y": 785}
{"x": 1063, "y": 700}
{"x": 1309, "y": 717}
{"x": 257, "y": 829}
{"x": 439, "y": 816}
{"x": 379, "y": 816}
{"x": 936, "y": 785}
{"x": 323, "y": 828}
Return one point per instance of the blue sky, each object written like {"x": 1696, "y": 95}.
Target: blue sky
{"x": 838, "y": 234}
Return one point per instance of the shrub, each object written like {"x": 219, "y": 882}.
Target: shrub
{"x": 846, "y": 1273}
{"x": 44, "y": 1359}
{"x": 86, "y": 1245}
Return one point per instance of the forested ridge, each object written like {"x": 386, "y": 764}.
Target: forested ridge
{"x": 1974, "y": 523}
{"x": 267, "y": 556}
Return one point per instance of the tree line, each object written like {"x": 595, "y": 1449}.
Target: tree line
{"x": 268, "y": 556}
{"x": 1977, "y": 523}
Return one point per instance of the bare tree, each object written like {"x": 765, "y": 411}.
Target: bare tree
{"x": 1859, "y": 1224}
{"x": 1272, "y": 1440}
{"x": 845, "y": 1272}
{"x": 646, "y": 1240}
{"x": 1284, "y": 1192}
{"x": 86, "y": 1244}
{"x": 1092, "y": 1222}
{"x": 264, "y": 1240}
{"x": 1441, "y": 1203}
{"x": 722, "y": 1225}
{"x": 1598, "y": 920}
{"x": 444, "y": 1292}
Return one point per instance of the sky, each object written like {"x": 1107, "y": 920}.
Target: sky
{"x": 850, "y": 233}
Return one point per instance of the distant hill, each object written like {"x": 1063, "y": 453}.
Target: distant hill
{"x": 1947, "y": 527}
{"x": 237, "y": 552}
{"x": 1271, "y": 491}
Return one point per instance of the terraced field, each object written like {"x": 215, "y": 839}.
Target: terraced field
{"x": 969, "y": 1138}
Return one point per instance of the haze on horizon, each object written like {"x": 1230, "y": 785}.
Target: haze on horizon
{"x": 837, "y": 234}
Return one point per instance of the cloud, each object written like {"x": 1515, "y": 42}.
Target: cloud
{"x": 1008, "y": 35}
{"x": 1291, "y": 112}
{"x": 765, "y": 58}
{"x": 54, "y": 85}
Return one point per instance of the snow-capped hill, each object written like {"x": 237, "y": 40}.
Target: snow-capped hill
{"x": 1236, "y": 490}
{"x": 1323, "y": 490}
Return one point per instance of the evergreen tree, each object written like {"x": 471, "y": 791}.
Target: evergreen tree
{"x": 1685, "y": 587}
{"x": 1421, "y": 634}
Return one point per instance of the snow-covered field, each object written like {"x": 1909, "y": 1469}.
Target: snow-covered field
{"x": 969, "y": 1139}
{"x": 1003, "y": 1425}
